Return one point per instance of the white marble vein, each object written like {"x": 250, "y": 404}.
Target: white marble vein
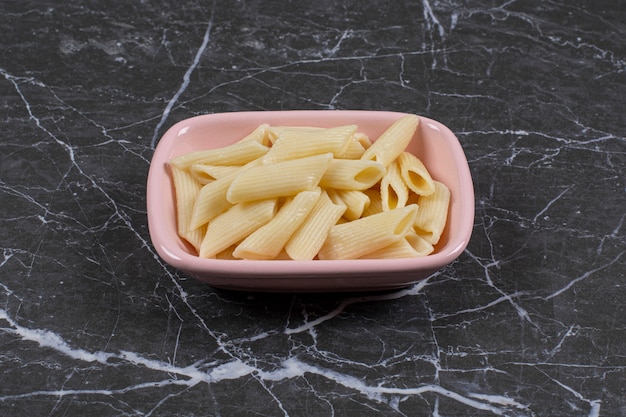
{"x": 186, "y": 80}
{"x": 413, "y": 290}
{"x": 192, "y": 375}
{"x": 585, "y": 275}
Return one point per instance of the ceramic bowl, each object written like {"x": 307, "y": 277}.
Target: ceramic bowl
{"x": 433, "y": 143}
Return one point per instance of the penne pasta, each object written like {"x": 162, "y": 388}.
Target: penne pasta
{"x": 293, "y": 144}
{"x": 282, "y": 256}
{"x": 275, "y": 131}
{"x": 355, "y": 201}
{"x": 415, "y": 175}
{"x": 421, "y": 246}
{"x": 399, "y": 249}
{"x": 235, "y": 224}
{"x": 363, "y": 139}
{"x": 394, "y": 193}
{"x": 307, "y": 240}
{"x": 269, "y": 240}
{"x": 186, "y": 189}
{"x": 238, "y": 153}
{"x": 194, "y": 237}
{"x": 205, "y": 174}
{"x": 393, "y": 140}
{"x": 226, "y": 253}
{"x": 432, "y": 215}
{"x": 281, "y": 179}
{"x": 411, "y": 246}
{"x": 357, "y": 238}
{"x": 211, "y": 201}
{"x": 357, "y": 145}
{"x": 305, "y": 193}
{"x": 348, "y": 174}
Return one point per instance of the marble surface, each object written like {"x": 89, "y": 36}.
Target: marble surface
{"x": 529, "y": 321}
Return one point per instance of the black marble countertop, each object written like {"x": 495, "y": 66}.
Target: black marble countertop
{"x": 529, "y": 321}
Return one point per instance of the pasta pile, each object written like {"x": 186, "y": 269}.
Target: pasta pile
{"x": 307, "y": 193}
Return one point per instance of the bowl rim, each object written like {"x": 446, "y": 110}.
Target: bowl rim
{"x": 174, "y": 255}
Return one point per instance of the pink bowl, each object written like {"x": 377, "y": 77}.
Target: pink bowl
{"x": 437, "y": 147}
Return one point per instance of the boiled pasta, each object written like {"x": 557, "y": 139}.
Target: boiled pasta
{"x": 261, "y": 135}
{"x": 433, "y": 213}
{"x": 394, "y": 192}
{"x": 349, "y": 174}
{"x": 357, "y": 238}
{"x": 356, "y": 146}
{"x": 294, "y": 143}
{"x": 306, "y": 193}
{"x": 374, "y": 202}
{"x": 211, "y": 201}
{"x": 270, "y": 180}
{"x": 236, "y": 154}
{"x": 393, "y": 141}
{"x": 421, "y": 246}
{"x": 306, "y": 242}
{"x": 235, "y": 224}
{"x": 399, "y": 249}
{"x": 356, "y": 202}
{"x": 269, "y": 240}
{"x": 205, "y": 173}
{"x": 187, "y": 190}
{"x": 414, "y": 174}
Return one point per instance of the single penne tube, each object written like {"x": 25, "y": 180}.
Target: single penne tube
{"x": 394, "y": 192}
{"x": 433, "y": 213}
{"x": 235, "y": 224}
{"x": 393, "y": 141}
{"x": 261, "y": 135}
{"x": 292, "y": 144}
{"x": 281, "y": 179}
{"x": 308, "y": 239}
{"x": 238, "y": 153}
{"x": 356, "y": 201}
{"x": 357, "y": 238}
{"x": 205, "y": 174}
{"x": 269, "y": 240}
{"x": 186, "y": 189}
{"x": 415, "y": 175}
{"x": 349, "y": 174}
